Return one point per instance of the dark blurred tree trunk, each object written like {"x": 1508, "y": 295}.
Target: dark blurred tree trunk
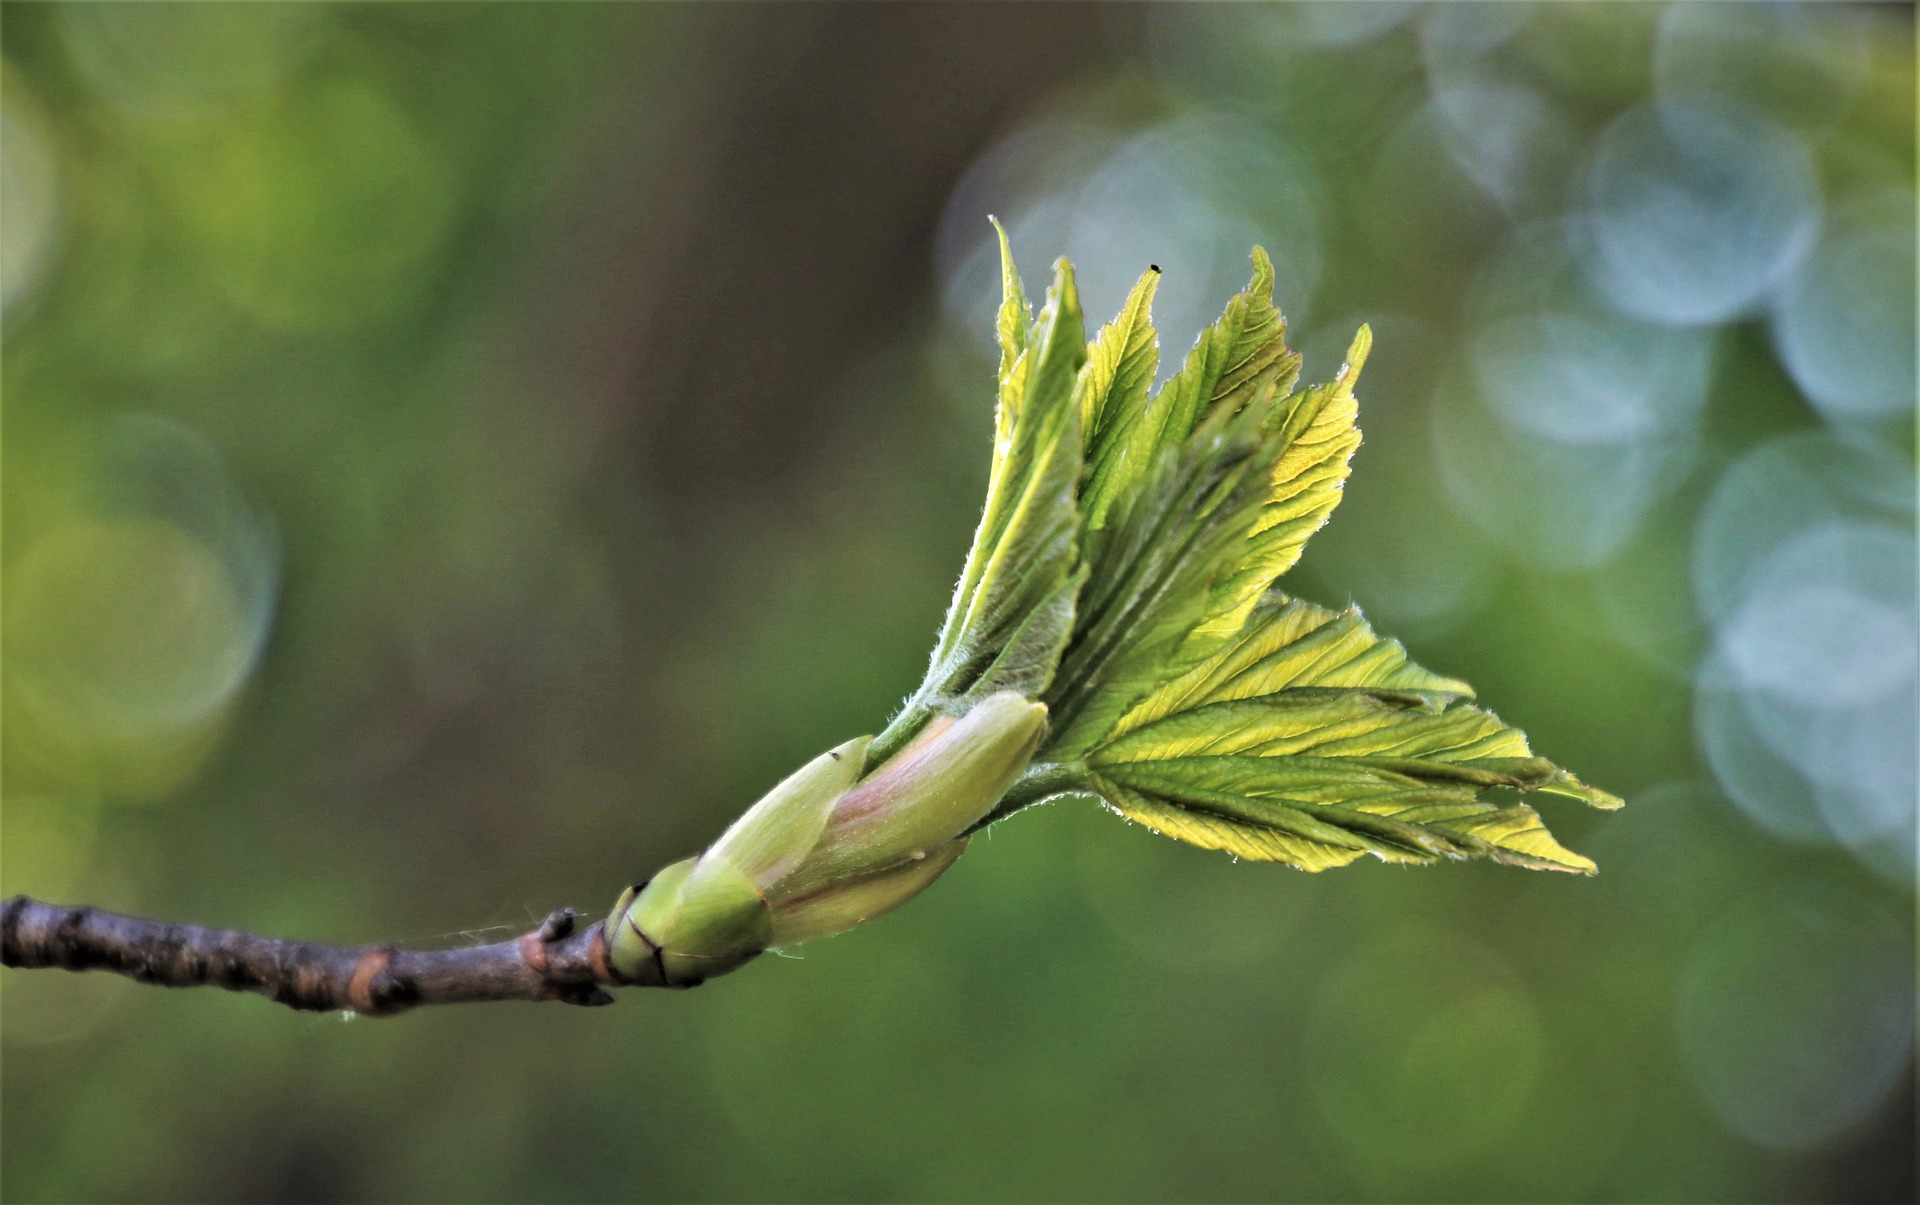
{"x": 835, "y": 138}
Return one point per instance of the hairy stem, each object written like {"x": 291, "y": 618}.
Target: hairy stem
{"x": 556, "y": 961}
{"x": 1040, "y": 782}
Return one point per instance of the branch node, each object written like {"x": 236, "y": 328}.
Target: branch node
{"x": 360, "y": 988}
{"x": 558, "y": 924}
{"x": 533, "y": 952}
{"x": 597, "y": 958}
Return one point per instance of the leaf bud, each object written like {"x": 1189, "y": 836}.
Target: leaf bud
{"x": 706, "y": 916}
{"x": 836, "y": 907}
{"x": 825, "y": 850}
{"x": 927, "y": 795}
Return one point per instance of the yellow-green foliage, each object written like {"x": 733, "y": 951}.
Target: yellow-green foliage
{"x": 1124, "y": 574}
{"x": 1119, "y": 599}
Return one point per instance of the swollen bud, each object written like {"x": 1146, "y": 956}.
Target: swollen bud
{"x": 837, "y": 907}
{"x": 928, "y": 794}
{"x": 707, "y": 915}
{"x": 825, "y": 850}
{"x": 769, "y": 842}
{"x": 696, "y": 919}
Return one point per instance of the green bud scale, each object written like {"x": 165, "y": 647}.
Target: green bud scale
{"x": 829, "y": 848}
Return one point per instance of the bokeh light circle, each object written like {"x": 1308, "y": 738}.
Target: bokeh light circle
{"x": 1345, "y": 24}
{"x": 1697, "y": 209}
{"x": 1764, "y": 786}
{"x": 124, "y": 627}
{"x": 1804, "y": 567}
{"x": 29, "y": 194}
{"x": 1563, "y": 507}
{"x": 1801, "y": 63}
{"x": 1823, "y": 653}
{"x": 1590, "y": 377}
{"x": 1192, "y": 193}
{"x": 1455, "y": 37}
{"x": 187, "y": 60}
{"x": 138, "y": 615}
{"x": 1508, "y": 139}
{"x": 1553, "y": 362}
{"x": 1844, "y": 325}
{"x": 1829, "y": 622}
{"x": 319, "y": 213}
{"x": 1795, "y": 1013}
{"x": 1780, "y": 488}
{"x": 1422, "y": 1052}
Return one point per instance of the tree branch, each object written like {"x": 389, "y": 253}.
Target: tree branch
{"x": 556, "y": 961}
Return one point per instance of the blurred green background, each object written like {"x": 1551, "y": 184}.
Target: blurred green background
{"x": 456, "y": 457}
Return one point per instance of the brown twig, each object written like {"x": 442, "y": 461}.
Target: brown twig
{"x": 557, "y": 961}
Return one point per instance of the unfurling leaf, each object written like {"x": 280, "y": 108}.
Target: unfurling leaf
{"x": 1196, "y": 699}
{"x": 1121, "y": 585}
{"x": 931, "y": 792}
{"x": 1214, "y": 484}
{"x": 1013, "y": 609}
{"x": 829, "y": 848}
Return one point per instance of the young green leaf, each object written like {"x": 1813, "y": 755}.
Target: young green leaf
{"x": 1183, "y": 690}
{"x": 1152, "y": 571}
{"x": 1011, "y": 328}
{"x": 1318, "y": 436}
{"x": 1310, "y": 740}
{"x": 1014, "y": 607}
{"x": 1121, "y": 363}
{"x": 1233, "y": 361}
{"x": 1197, "y": 498}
